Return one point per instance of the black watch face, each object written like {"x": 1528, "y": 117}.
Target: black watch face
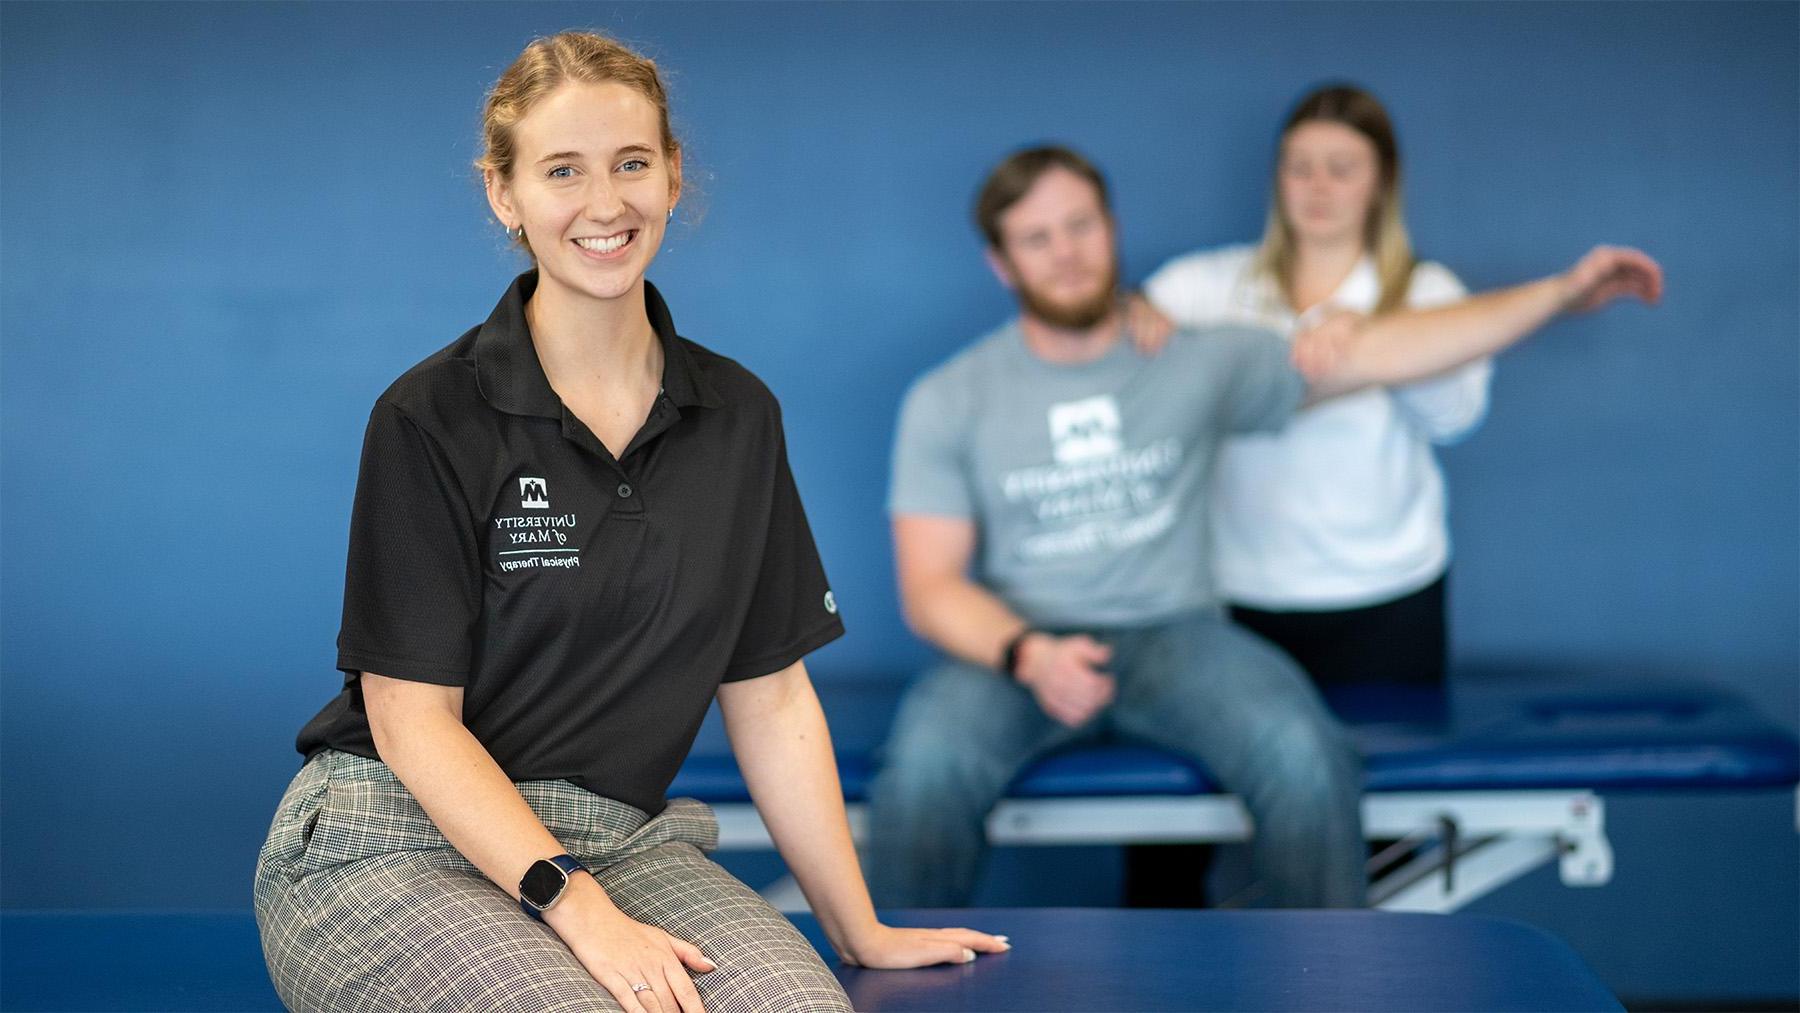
{"x": 542, "y": 882}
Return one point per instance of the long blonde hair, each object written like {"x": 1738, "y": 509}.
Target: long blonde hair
{"x": 1384, "y": 232}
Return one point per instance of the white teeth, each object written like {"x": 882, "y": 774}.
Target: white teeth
{"x": 607, "y": 245}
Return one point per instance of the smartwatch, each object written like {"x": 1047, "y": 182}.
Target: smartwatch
{"x": 545, "y": 882}
{"x": 1009, "y": 659}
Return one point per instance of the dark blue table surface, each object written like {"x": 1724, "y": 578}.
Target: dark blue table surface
{"x": 1063, "y": 959}
{"x": 1523, "y": 731}
{"x": 1103, "y": 959}
{"x": 113, "y": 960}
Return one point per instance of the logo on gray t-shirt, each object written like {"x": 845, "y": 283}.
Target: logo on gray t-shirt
{"x": 1087, "y": 481}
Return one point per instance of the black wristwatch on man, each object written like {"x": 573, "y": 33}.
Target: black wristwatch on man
{"x": 1009, "y": 659}
{"x": 545, "y": 882}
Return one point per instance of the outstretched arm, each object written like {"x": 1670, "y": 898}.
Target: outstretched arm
{"x": 778, "y": 733}
{"x": 1347, "y": 353}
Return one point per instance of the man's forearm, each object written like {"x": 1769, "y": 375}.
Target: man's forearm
{"x": 1346, "y": 354}
{"x": 963, "y": 619}
{"x": 1414, "y": 344}
{"x": 1410, "y": 345}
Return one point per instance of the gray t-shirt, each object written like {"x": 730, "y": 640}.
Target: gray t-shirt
{"x": 1087, "y": 483}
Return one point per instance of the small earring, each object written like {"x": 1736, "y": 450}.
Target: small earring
{"x": 670, "y": 217}
{"x": 516, "y": 232}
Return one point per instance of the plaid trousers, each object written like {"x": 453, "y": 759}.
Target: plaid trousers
{"x": 364, "y": 907}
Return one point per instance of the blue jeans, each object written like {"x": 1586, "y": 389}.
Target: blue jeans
{"x": 1198, "y": 686}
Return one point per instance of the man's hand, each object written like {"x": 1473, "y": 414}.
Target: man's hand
{"x": 1608, "y": 273}
{"x": 1063, "y": 673}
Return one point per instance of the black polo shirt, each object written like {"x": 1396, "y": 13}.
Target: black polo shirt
{"x": 588, "y": 606}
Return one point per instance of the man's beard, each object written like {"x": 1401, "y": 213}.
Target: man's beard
{"x": 1080, "y": 316}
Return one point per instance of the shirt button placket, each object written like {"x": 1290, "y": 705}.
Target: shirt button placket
{"x": 628, "y": 496}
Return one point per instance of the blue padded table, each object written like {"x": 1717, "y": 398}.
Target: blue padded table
{"x": 1493, "y": 733}
{"x": 1076, "y": 959}
{"x": 1102, "y": 959}
{"x": 1502, "y": 776}
{"x": 109, "y": 960}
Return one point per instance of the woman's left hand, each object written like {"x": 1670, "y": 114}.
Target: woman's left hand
{"x": 885, "y": 946}
{"x": 1321, "y": 350}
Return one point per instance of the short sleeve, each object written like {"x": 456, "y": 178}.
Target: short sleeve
{"x": 792, "y": 610}
{"x": 1264, "y": 389}
{"x": 1173, "y": 289}
{"x": 1194, "y": 289}
{"x": 412, "y": 586}
{"x": 1448, "y": 407}
{"x": 930, "y": 468}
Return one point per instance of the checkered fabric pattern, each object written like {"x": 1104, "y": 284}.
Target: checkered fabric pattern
{"x": 364, "y": 907}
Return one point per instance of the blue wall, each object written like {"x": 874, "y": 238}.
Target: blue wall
{"x": 224, "y": 229}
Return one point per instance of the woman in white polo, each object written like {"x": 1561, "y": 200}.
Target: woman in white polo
{"x": 1330, "y": 535}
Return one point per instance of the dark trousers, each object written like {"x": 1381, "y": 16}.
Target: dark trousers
{"x": 1400, "y": 642}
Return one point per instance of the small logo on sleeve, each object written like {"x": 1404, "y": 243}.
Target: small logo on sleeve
{"x": 830, "y": 603}
{"x": 534, "y": 494}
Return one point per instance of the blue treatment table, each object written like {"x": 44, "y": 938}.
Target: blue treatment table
{"x": 109, "y": 960}
{"x": 1102, "y": 959}
{"x": 1504, "y": 776}
{"x": 1074, "y": 959}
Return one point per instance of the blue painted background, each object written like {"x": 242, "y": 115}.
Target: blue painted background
{"x": 224, "y": 229}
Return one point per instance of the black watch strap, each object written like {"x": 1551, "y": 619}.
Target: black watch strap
{"x": 1009, "y": 660}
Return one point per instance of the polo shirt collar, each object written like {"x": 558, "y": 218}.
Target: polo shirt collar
{"x": 512, "y": 380}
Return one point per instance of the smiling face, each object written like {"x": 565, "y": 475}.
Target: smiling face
{"x": 1056, "y": 251}
{"x": 591, "y": 186}
{"x": 1329, "y": 177}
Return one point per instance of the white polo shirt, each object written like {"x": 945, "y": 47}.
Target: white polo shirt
{"x": 1345, "y": 507}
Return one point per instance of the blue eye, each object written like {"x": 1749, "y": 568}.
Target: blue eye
{"x": 561, "y": 172}
{"x": 634, "y": 165}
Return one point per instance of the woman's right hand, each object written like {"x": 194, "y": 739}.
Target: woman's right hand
{"x": 1148, "y": 326}
{"x": 620, "y": 952}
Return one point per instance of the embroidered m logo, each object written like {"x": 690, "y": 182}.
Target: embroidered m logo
{"x": 534, "y": 494}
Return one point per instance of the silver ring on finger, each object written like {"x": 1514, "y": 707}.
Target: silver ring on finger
{"x": 642, "y": 986}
